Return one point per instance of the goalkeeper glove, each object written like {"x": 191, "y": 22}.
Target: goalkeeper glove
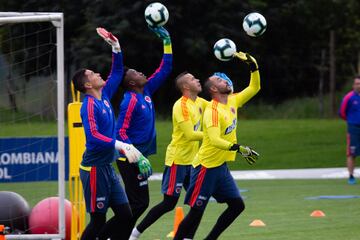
{"x": 144, "y": 167}
{"x": 246, "y": 152}
{"x": 248, "y": 59}
{"x": 225, "y": 77}
{"x": 131, "y": 153}
{"x": 162, "y": 33}
{"x": 109, "y": 38}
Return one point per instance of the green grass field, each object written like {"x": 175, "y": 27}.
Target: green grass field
{"x": 280, "y": 204}
{"x": 282, "y": 144}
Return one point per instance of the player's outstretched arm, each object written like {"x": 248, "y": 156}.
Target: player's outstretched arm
{"x": 163, "y": 34}
{"x": 165, "y": 68}
{"x": 254, "y": 85}
{"x": 115, "y": 77}
{"x": 246, "y": 152}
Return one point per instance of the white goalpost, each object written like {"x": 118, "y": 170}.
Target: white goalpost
{"x": 58, "y": 22}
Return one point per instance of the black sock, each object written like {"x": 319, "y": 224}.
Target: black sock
{"x": 120, "y": 225}
{"x": 189, "y": 224}
{"x": 235, "y": 207}
{"x": 157, "y": 211}
{"x": 97, "y": 221}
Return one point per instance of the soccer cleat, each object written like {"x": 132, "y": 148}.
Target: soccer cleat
{"x": 351, "y": 180}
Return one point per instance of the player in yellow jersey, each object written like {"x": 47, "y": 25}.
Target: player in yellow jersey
{"x": 187, "y": 124}
{"x": 212, "y": 177}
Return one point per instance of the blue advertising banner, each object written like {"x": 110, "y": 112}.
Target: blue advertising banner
{"x": 30, "y": 159}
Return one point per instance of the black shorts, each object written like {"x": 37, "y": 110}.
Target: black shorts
{"x": 136, "y": 188}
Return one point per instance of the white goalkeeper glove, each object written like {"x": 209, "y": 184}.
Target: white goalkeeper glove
{"x": 109, "y": 38}
{"x": 132, "y": 154}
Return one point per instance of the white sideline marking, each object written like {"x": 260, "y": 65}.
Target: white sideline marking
{"x": 310, "y": 173}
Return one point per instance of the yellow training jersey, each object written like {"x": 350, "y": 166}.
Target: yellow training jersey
{"x": 219, "y": 126}
{"x": 187, "y": 125}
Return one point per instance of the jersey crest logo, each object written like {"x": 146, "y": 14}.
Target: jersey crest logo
{"x": 355, "y": 102}
{"x": 106, "y": 103}
{"x": 231, "y": 127}
{"x": 104, "y": 111}
{"x": 232, "y": 110}
{"x": 200, "y": 110}
{"x": 148, "y": 99}
{"x": 199, "y": 203}
{"x": 100, "y": 205}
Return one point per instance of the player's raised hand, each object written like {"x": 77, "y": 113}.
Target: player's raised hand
{"x": 132, "y": 154}
{"x": 109, "y": 38}
{"x": 144, "y": 167}
{"x": 162, "y": 33}
{"x": 248, "y": 59}
{"x": 246, "y": 152}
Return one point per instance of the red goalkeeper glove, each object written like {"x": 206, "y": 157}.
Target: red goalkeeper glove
{"x": 109, "y": 38}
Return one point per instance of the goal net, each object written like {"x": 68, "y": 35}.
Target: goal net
{"x": 32, "y": 139}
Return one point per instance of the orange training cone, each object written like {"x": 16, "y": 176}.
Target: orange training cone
{"x": 317, "y": 213}
{"x": 257, "y": 223}
{"x": 179, "y": 216}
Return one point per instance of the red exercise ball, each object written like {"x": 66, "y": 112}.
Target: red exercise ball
{"x": 44, "y": 217}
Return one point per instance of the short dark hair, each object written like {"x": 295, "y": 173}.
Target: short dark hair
{"x": 177, "y": 79}
{"x": 79, "y": 79}
{"x": 207, "y": 85}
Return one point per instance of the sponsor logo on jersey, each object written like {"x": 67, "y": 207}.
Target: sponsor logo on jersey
{"x": 143, "y": 106}
{"x": 197, "y": 126}
{"x": 148, "y": 99}
{"x": 231, "y": 127}
{"x": 106, "y": 103}
{"x": 232, "y": 110}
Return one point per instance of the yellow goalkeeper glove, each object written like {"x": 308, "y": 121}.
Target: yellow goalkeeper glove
{"x": 246, "y": 152}
{"x": 248, "y": 59}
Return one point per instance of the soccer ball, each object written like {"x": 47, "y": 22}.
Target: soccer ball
{"x": 224, "y": 49}
{"x": 156, "y": 14}
{"x": 254, "y": 24}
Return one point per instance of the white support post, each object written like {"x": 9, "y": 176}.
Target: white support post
{"x": 61, "y": 120}
{"x": 58, "y": 22}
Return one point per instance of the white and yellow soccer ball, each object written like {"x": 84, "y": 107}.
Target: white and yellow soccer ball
{"x": 224, "y": 49}
{"x": 254, "y": 24}
{"x": 156, "y": 14}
